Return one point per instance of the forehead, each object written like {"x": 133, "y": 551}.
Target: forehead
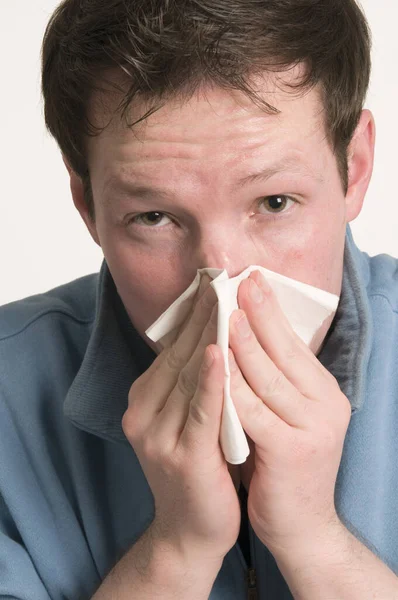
{"x": 213, "y": 120}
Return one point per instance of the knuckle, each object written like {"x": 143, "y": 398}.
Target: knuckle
{"x": 207, "y": 300}
{"x": 330, "y": 378}
{"x": 214, "y": 315}
{"x": 197, "y": 317}
{"x": 256, "y": 412}
{"x": 307, "y": 409}
{"x": 154, "y": 447}
{"x": 204, "y": 282}
{"x": 134, "y": 389}
{"x": 290, "y": 354}
{"x": 161, "y": 455}
{"x": 197, "y": 414}
{"x": 128, "y": 425}
{"x": 346, "y": 409}
{"x": 274, "y": 386}
{"x": 204, "y": 307}
{"x": 186, "y": 384}
{"x": 134, "y": 394}
{"x": 150, "y": 450}
{"x": 174, "y": 361}
{"x": 251, "y": 346}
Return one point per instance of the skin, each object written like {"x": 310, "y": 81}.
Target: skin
{"x": 297, "y": 416}
{"x": 197, "y": 151}
{"x": 290, "y": 407}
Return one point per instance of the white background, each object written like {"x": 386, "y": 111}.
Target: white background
{"x": 44, "y": 243}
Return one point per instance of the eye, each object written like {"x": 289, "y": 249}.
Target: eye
{"x": 277, "y": 203}
{"x": 149, "y": 219}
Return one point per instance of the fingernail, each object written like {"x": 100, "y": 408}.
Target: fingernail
{"x": 255, "y": 293}
{"x": 243, "y": 327}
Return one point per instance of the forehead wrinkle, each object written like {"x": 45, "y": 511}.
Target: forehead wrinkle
{"x": 292, "y": 162}
{"x": 135, "y": 189}
{"x": 284, "y": 166}
{"x": 141, "y": 190}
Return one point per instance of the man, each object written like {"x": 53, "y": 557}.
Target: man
{"x": 222, "y": 133}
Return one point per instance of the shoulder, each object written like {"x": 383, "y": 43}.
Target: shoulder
{"x": 74, "y": 301}
{"x": 43, "y": 338}
{"x": 383, "y": 282}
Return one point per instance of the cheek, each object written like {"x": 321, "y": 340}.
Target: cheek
{"x": 314, "y": 254}
{"x": 145, "y": 288}
{"x": 147, "y": 284}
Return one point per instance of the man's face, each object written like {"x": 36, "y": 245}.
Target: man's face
{"x": 226, "y": 186}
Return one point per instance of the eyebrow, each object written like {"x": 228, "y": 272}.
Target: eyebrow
{"x": 286, "y": 165}
{"x": 144, "y": 191}
{"x": 135, "y": 189}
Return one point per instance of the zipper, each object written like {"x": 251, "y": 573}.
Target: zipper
{"x": 252, "y": 593}
{"x": 252, "y": 587}
{"x": 251, "y": 578}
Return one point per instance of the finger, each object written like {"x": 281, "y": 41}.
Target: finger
{"x": 192, "y": 330}
{"x": 283, "y": 346}
{"x": 209, "y": 336}
{"x": 163, "y": 373}
{"x": 202, "y": 428}
{"x": 176, "y": 408}
{"x": 256, "y": 417}
{"x": 203, "y": 286}
{"x": 263, "y": 377}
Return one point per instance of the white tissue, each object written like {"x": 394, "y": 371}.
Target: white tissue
{"x": 306, "y": 307}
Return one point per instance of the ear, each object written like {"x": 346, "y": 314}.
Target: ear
{"x": 360, "y": 164}
{"x": 77, "y": 189}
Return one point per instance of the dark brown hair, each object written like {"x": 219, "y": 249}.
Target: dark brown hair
{"x": 168, "y": 48}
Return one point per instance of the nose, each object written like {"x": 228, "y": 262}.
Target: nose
{"x": 226, "y": 249}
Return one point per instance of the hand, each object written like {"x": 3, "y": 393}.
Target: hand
{"x": 173, "y": 423}
{"x": 294, "y": 412}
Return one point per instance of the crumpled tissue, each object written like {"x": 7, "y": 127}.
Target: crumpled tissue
{"x": 306, "y": 307}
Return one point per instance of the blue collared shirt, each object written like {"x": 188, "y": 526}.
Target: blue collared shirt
{"x": 73, "y": 496}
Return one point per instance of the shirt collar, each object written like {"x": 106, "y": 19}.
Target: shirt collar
{"x": 116, "y": 354}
